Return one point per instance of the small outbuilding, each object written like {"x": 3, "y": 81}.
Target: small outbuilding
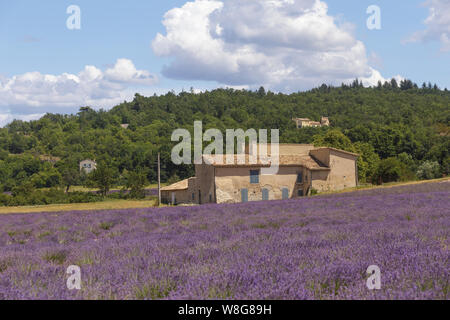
{"x": 179, "y": 192}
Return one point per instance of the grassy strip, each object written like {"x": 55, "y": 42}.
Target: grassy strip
{"x": 386, "y": 185}
{"x": 84, "y": 189}
{"x": 134, "y": 204}
{"x": 104, "y": 205}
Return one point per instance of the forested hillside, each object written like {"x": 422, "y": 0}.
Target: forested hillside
{"x": 395, "y": 127}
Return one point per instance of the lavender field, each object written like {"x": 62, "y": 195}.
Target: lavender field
{"x": 313, "y": 248}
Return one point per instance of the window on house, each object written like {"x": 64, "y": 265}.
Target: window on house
{"x": 210, "y": 198}
{"x": 300, "y": 193}
{"x": 300, "y": 178}
{"x": 254, "y": 176}
{"x": 285, "y": 193}
{"x": 193, "y": 196}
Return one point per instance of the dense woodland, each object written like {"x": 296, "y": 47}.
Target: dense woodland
{"x": 401, "y": 131}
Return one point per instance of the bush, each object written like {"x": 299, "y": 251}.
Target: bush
{"x": 390, "y": 170}
{"x": 102, "y": 178}
{"x": 429, "y": 170}
{"x": 4, "y": 199}
{"x": 136, "y": 182}
{"x": 83, "y": 197}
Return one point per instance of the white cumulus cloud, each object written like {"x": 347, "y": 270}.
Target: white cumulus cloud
{"x": 33, "y": 93}
{"x": 124, "y": 71}
{"x": 437, "y": 24}
{"x": 6, "y": 118}
{"x": 282, "y": 44}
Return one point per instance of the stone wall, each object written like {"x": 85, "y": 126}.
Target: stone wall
{"x": 230, "y": 181}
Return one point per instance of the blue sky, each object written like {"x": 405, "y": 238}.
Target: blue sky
{"x": 293, "y": 45}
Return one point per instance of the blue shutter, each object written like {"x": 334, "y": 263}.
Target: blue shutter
{"x": 285, "y": 193}
{"x": 244, "y": 195}
{"x": 265, "y": 194}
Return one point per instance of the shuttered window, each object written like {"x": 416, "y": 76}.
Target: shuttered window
{"x": 265, "y": 194}
{"x": 244, "y": 195}
{"x": 285, "y": 193}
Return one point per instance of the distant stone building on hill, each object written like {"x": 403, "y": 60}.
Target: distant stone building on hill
{"x": 306, "y": 122}
{"x": 49, "y": 159}
{"x": 88, "y": 166}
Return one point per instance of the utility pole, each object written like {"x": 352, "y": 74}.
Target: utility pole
{"x": 159, "y": 180}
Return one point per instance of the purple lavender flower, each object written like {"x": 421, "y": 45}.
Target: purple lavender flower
{"x": 312, "y": 248}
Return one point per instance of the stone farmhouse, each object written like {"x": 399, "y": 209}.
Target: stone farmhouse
{"x": 88, "y": 166}
{"x": 302, "y": 169}
{"x": 305, "y": 122}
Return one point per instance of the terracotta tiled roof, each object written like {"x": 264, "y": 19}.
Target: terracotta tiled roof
{"x": 339, "y": 150}
{"x": 284, "y": 160}
{"x": 181, "y": 185}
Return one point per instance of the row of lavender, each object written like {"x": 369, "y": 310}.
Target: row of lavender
{"x": 313, "y": 248}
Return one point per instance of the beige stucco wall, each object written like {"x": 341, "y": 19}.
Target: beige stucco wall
{"x": 230, "y": 181}
{"x": 205, "y": 183}
{"x": 342, "y": 174}
{"x": 181, "y": 196}
{"x": 343, "y": 170}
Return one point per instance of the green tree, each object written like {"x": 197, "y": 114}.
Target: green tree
{"x": 334, "y": 138}
{"x": 102, "y": 178}
{"x": 429, "y": 170}
{"x": 136, "y": 182}
{"x": 367, "y": 162}
{"x": 69, "y": 176}
{"x": 390, "y": 170}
